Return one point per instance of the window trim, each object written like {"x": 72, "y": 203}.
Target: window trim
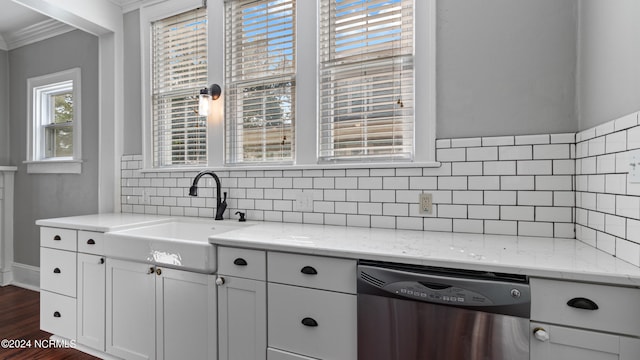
{"x": 307, "y": 102}
{"x": 148, "y": 14}
{"x": 36, "y": 90}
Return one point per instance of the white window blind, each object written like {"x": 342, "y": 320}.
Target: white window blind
{"x": 260, "y": 80}
{"x": 366, "y": 80}
{"x": 179, "y": 71}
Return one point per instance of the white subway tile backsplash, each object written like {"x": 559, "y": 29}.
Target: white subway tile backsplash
{"x": 438, "y": 224}
{"x": 554, "y": 214}
{"x": 499, "y": 168}
{"x": 370, "y": 183}
{"x": 466, "y": 142}
{"x": 533, "y": 139}
{"x": 616, "y": 183}
{"x": 484, "y": 182}
{"x": 443, "y": 143}
{"x": 468, "y": 197}
{"x": 396, "y": 183}
{"x": 452, "y": 183}
{"x": 515, "y": 152}
{"x": 468, "y": 226}
{"x": 606, "y": 242}
{"x": 458, "y": 154}
{"x": 409, "y": 223}
{"x": 628, "y": 206}
{"x": 341, "y": 220}
{"x": 390, "y": 209}
{"x": 605, "y": 128}
{"x": 626, "y": 122}
{"x": 526, "y": 228}
{"x": 616, "y": 142}
{"x": 483, "y": 212}
{"x": 517, "y": 213}
{"x": 534, "y": 167}
{"x": 553, "y": 151}
{"x": 606, "y": 203}
{"x": 384, "y": 196}
{"x": 517, "y": 182}
{"x": 482, "y": 153}
{"x": 500, "y": 197}
{"x": 423, "y": 182}
{"x": 501, "y": 227}
{"x": 566, "y": 138}
{"x": 633, "y": 230}
{"x": 615, "y": 225}
{"x": 466, "y": 168}
{"x": 597, "y": 146}
{"x": 628, "y": 251}
{"x": 498, "y": 141}
{"x": 540, "y": 198}
{"x": 596, "y": 183}
{"x": 564, "y": 230}
{"x": 452, "y": 211}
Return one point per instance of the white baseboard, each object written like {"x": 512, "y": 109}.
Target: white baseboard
{"x": 25, "y": 276}
{"x": 6, "y": 277}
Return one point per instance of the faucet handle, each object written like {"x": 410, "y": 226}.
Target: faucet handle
{"x": 242, "y": 219}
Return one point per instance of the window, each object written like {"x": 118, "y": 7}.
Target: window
{"x": 366, "y": 84}
{"x": 54, "y": 134}
{"x": 179, "y": 71}
{"x": 260, "y": 81}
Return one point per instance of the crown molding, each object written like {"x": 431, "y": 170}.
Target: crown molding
{"x": 40, "y": 31}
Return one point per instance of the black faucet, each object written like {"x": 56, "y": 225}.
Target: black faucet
{"x": 221, "y": 205}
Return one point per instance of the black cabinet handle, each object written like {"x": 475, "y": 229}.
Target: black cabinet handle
{"x": 56, "y": 271}
{"x": 582, "y": 303}
{"x": 309, "y": 270}
{"x": 56, "y": 314}
{"x": 309, "y": 322}
{"x": 57, "y": 238}
{"x": 101, "y": 260}
{"x": 240, "y": 262}
{"x": 91, "y": 242}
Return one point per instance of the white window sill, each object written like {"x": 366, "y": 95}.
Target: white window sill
{"x": 54, "y": 167}
{"x": 433, "y": 164}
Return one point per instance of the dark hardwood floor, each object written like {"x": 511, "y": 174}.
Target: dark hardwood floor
{"x": 20, "y": 320}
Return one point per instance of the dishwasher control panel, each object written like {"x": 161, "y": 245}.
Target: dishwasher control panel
{"x": 437, "y": 293}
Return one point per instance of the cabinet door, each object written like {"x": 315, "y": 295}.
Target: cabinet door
{"x": 130, "y": 310}
{"x": 242, "y": 327}
{"x": 572, "y": 344}
{"x": 185, "y": 315}
{"x": 91, "y": 300}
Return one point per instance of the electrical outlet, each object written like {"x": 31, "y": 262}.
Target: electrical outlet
{"x": 304, "y": 201}
{"x": 426, "y": 203}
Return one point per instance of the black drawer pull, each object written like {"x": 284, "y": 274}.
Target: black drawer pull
{"x": 240, "y": 262}
{"x": 57, "y": 238}
{"x": 91, "y": 242}
{"x": 309, "y": 322}
{"x": 101, "y": 260}
{"x": 582, "y": 303}
{"x": 309, "y": 270}
{"x": 56, "y": 314}
{"x": 56, "y": 271}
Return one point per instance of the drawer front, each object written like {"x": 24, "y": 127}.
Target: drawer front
{"x": 315, "y": 323}
{"x": 58, "y": 314}
{"x": 275, "y": 354}
{"x": 64, "y": 239}
{"x": 617, "y": 306}
{"x": 245, "y": 263}
{"x": 312, "y": 271}
{"x": 58, "y": 271}
{"x": 91, "y": 242}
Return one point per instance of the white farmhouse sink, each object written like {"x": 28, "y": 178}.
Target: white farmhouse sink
{"x": 178, "y": 243}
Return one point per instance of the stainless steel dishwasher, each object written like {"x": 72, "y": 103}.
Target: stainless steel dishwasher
{"x": 408, "y": 312}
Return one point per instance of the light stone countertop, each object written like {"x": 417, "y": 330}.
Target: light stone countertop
{"x": 534, "y": 256}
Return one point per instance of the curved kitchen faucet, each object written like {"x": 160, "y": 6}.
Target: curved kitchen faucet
{"x": 221, "y": 205}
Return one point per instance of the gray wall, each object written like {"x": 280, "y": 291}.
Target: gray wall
{"x": 133, "y": 84}
{"x": 40, "y": 196}
{"x": 506, "y": 67}
{"x": 609, "y": 60}
{"x": 4, "y": 108}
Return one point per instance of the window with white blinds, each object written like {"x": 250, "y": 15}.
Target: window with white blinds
{"x": 366, "y": 80}
{"x": 179, "y": 71}
{"x": 260, "y": 65}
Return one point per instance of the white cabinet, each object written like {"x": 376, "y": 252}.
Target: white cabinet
{"x": 580, "y": 321}
{"x": 91, "y": 301}
{"x": 242, "y": 304}
{"x": 567, "y": 343}
{"x": 158, "y": 313}
{"x": 242, "y": 319}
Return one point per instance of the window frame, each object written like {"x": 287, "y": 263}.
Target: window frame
{"x": 148, "y": 14}
{"x": 306, "y": 95}
{"x": 40, "y": 90}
